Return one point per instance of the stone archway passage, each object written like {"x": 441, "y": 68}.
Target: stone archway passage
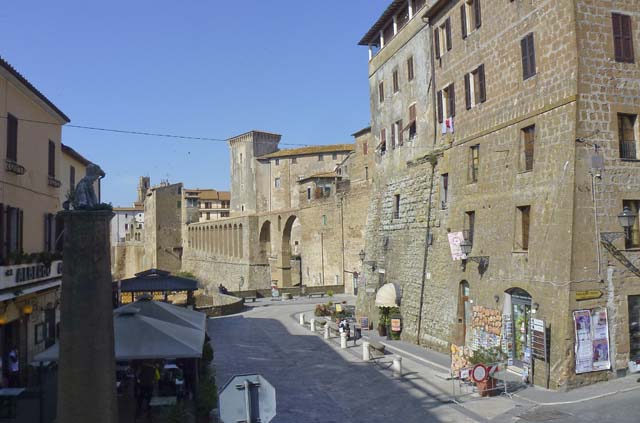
{"x": 285, "y": 252}
{"x": 265, "y": 243}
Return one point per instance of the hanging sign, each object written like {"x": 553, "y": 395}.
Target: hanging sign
{"x": 364, "y": 322}
{"x": 455, "y": 239}
{"x": 539, "y": 339}
{"x": 588, "y": 295}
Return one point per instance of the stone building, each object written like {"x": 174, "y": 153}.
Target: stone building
{"x": 163, "y": 227}
{"x": 201, "y": 205}
{"x": 128, "y": 236}
{"x": 528, "y": 169}
{"x": 30, "y": 194}
{"x": 291, "y": 213}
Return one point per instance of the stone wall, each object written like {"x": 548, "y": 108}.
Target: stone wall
{"x": 163, "y": 228}
{"x": 127, "y": 259}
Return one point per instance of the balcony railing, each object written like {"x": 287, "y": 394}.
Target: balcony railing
{"x": 53, "y": 182}
{"x": 628, "y": 150}
{"x": 14, "y": 167}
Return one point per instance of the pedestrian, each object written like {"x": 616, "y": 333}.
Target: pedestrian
{"x": 14, "y": 368}
{"x": 146, "y": 378}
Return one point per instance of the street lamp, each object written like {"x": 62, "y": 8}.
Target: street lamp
{"x": 466, "y": 247}
{"x": 627, "y": 218}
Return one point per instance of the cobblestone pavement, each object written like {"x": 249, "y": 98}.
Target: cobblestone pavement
{"x": 314, "y": 381}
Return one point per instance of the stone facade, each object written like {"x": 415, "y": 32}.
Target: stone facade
{"x": 529, "y": 212}
{"x": 163, "y": 227}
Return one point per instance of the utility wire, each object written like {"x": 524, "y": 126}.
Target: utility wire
{"x": 143, "y": 133}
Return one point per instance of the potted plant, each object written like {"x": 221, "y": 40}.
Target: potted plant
{"x": 383, "y": 323}
{"x": 486, "y": 357}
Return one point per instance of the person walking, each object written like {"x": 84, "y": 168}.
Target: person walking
{"x": 14, "y": 368}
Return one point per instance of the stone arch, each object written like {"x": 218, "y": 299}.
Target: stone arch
{"x": 265, "y": 243}
{"x": 285, "y": 251}
{"x": 240, "y": 241}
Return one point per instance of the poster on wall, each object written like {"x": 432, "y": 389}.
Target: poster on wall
{"x": 592, "y": 340}
{"x": 584, "y": 346}
{"x": 455, "y": 239}
{"x": 600, "y": 326}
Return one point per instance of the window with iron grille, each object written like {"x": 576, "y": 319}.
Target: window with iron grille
{"x": 469, "y": 225}
{"x": 444, "y": 191}
{"x": 396, "y": 206}
{"x": 627, "y": 136}
{"x": 474, "y": 163}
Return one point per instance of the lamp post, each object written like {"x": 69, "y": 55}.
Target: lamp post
{"x": 627, "y": 218}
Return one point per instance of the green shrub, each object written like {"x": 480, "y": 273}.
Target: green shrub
{"x": 207, "y": 397}
{"x": 207, "y": 353}
{"x": 330, "y": 293}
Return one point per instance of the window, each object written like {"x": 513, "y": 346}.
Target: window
{"x": 475, "y": 89}
{"x": 474, "y": 163}
{"x": 446, "y": 103}
{"x": 208, "y": 215}
{"x": 12, "y": 138}
{"x": 528, "y": 137}
{"x": 334, "y": 156}
{"x": 412, "y": 121}
{"x": 324, "y": 219}
{"x": 396, "y": 206}
{"x": 308, "y": 193}
{"x": 522, "y": 228}
{"x": 52, "y": 159}
{"x": 444, "y": 191}
{"x": 442, "y": 38}
{"x": 410, "y": 74}
{"x": 320, "y": 158}
{"x": 207, "y": 204}
{"x": 50, "y": 232}
{"x": 634, "y": 240}
{"x": 396, "y": 82}
{"x": 528, "y": 56}
{"x": 398, "y": 129}
{"x": 179, "y": 204}
{"x": 383, "y": 140}
{"x": 126, "y": 226}
{"x": 366, "y": 173}
{"x": 470, "y": 16}
{"x": 394, "y": 135}
{"x": 381, "y": 91}
{"x": 14, "y": 223}
{"x": 72, "y": 177}
{"x": 365, "y": 148}
{"x": 240, "y": 157}
{"x": 294, "y": 160}
{"x": 277, "y": 182}
{"x": 622, "y": 38}
{"x": 469, "y": 225}
{"x": 627, "y": 136}
{"x": 277, "y": 163}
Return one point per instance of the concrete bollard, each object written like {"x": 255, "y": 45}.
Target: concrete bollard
{"x": 366, "y": 353}
{"x": 302, "y": 319}
{"x": 313, "y": 325}
{"x": 397, "y": 366}
{"x": 326, "y": 330}
{"x": 343, "y": 340}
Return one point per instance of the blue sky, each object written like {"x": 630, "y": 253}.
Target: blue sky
{"x": 204, "y": 68}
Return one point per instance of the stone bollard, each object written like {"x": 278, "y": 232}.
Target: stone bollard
{"x": 313, "y": 325}
{"x": 397, "y": 366}
{"x": 366, "y": 353}
{"x": 302, "y": 319}
{"x": 343, "y": 340}
{"x": 326, "y": 330}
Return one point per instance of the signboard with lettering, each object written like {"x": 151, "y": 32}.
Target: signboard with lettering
{"x": 21, "y": 274}
{"x": 364, "y": 322}
{"x": 588, "y": 295}
{"x": 455, "y": 239}
{"x": 396, "y": 325}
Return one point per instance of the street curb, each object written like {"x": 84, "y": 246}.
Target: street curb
{"x": 608, "y": 394}
{"x": 415, "y": 357}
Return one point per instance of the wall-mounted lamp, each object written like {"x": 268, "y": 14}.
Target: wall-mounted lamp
{"x": 496, "y": 298}
{"x": 534, "y": 308}
{"x": 27, "y": 309}
{"x": 626, "y": 219}
{"x": 483, "y": 261}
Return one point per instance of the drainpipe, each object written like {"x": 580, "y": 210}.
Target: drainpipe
{"x": 342, "y": 236}
{"x": 433, "y": 171}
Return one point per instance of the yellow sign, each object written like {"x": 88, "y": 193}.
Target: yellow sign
{"x": 338, "y": 308}
{"x": 588, "y": 295}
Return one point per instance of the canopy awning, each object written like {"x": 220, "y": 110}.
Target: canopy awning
{"x": 388, "y": 296}
{"x": 142, "y": 337}
{"x": 157, "y": 280}
{"x": 166, "y": 312}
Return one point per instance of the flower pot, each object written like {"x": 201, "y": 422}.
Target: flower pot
{"x": 487, "y": 388}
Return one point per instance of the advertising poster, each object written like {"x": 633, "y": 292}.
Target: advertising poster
{"x": 455, "y": 239}
{"x": 396, "y": 325}
{"x": 584, "y": 344}
{"x": 600, "y": 330}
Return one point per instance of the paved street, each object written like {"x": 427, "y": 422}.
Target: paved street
{"x": 318, "y": 382}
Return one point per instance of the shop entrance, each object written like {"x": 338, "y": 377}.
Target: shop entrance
{"x": 521, "y": 317}
{"x": 634, "y": 328}
{"x": 10, "y": 334}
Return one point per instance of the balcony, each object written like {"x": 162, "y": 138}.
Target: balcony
{"x": 53, "y": 182}
{"x": 24, "y": 274}
{"x": 14, "y": 167}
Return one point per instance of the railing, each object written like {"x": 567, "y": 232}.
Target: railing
{"x": 14, "y": 167}
{"x": 628, "y": 150}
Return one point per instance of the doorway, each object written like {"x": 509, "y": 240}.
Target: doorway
{"x": 521, "y": 317}
{"x": 465, "y": 312}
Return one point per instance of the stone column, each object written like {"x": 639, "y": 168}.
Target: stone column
{"x": 86, "y": 374}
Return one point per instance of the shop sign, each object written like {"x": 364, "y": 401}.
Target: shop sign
{"x": 21, "y": 274}
{"x": 588, "y": 295}
{"x": 364, "y": 322}
{"x": 396, "y": 325}
{"x": 592, "y": 340}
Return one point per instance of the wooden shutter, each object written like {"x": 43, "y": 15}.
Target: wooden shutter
{"x": 47, "y": 232}
{"x": 467, "y": 90}
{"x": 452, "y": 100}
{"x": 52, "y": 159}
{"x": 12, "y": 137}
{"x": 532, "y": 55}
{"x": 20, "y": 229}
{"x": 617, "y": 36}
{"x": 447, "y": 27}
{"x": 72, "y": 178}
{"x": 400, "y": 132}
{"x": 412, "y": 113}
{"x": 440, "y": 111}
{"x": 627, "y": 39}
{"x": 476, "y": 7}
{"x": 463, "y": 20}
{"x": 436, "y": 41}
{"x": 410, "y": 68}
{"x": 482, "y": 87}
{"x": 525, "y": 216}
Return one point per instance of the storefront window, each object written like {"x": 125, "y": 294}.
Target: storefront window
{"x": 521, "y": 317}
{"x": 634, "y": 328}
